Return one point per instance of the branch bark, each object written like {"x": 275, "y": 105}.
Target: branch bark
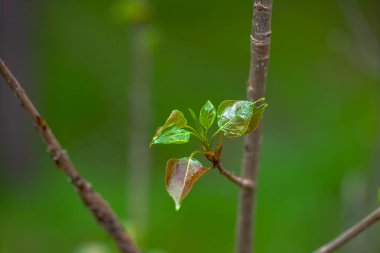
{"x": 348, "y": 235}
{"x": 235, "y": 179}
{"x": 92, "y": 200}
{"x": 214, "y": 157}
{"x": 260, "y": 42}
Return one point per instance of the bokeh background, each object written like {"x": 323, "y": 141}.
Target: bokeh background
{"x": 105, "y": 74}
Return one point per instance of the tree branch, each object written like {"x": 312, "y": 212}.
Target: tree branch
{"x": 214, "y": 157}
{"x": 235, "y": 179}
{"x": 260, "y": 41}
{"x": 92, "y": 201}
{"x": 348, "y": 235}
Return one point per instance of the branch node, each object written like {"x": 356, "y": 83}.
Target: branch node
{"x": 41, "y": 123}
{"x": 17, "y": 90}
{"x": 261, "y": 42}
{"x": 248, "y": 184}
{"x": 259, "y": 6}
{"x": 58, "y": 155}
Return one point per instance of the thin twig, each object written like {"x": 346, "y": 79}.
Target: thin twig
{"x": 92, "y": 201}
{"x": 235, "y": 179}
{"x": 214, "y": 157}
{"x": 348, "y": 235}
{"x": 260, "y": 41}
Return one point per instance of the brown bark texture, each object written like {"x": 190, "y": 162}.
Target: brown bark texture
{"x": 260, "y": 42}
{"x": 100, "y": 209}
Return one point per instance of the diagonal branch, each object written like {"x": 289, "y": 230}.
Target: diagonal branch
{"x": 233, "y": 178}
{"x": 348, "y": 235}
{"x": 214, "y": 157}
{"x": 100, "y": 209}
{"x": 260, "y": 41}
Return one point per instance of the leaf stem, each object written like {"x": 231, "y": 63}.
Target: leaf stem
{"x": 221, "y": 137}
{"x": 194, "y": 153}
{"x": 190, "y": 128}
{"x": 197, "y": 136}
{"x": 214, "y": 135}
{"x": 195, "y": 133}
{"x": 202, "y": 139}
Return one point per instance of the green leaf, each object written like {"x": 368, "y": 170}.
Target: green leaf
{"x": 193, "y": 115}
{"x": 238, "y": 117}
{"x": 234, "y": 117}
{"x": 256, "y": 117}
{"x": 378, "y": 195}
{"x": 207, "y": 115}
{"x": 196, "y": 122}
{"x": 177, "y": 118}
{"x": 171, "y": 135}
{"x": 181, "y": 174}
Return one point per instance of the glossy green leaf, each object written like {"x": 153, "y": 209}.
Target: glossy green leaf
{"x": 207, "y": 115}
{"x": 256, "y": 117}
{"x": 238, "y": 117}
{"x": 177, "y": 118}
{"x": 172, "y": 135}
{"x": 234, "y": 117}
{"x": 181, "y": 174}
{"x": 171, "y": 132}
{"x": 378, "y": 195}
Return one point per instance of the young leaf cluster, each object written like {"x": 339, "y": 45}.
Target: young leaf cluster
{"x": 234, "y": 118}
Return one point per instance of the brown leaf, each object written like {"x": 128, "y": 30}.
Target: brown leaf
{"x": 181, "y": 174}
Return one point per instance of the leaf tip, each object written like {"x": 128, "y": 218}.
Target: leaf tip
{"x": 191, "y": 112}
{"x": 177, "y": 206}
{"x": 260, "y": 100}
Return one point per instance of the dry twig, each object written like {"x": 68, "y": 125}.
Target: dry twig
{"x": 349, "y": 234}
{"x": 92, "y": 201}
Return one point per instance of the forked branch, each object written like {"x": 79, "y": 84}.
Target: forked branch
{"x": 214, "y": 157}
{"x": 348, "y": 235}
{"x": 100, "y": 209}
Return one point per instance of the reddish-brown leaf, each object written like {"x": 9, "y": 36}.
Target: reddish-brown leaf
{"x": 181, "y": 174}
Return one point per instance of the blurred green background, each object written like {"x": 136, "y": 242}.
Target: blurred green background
{"x": 320, "y": 155}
